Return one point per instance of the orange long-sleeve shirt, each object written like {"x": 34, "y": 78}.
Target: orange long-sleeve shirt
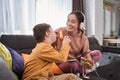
{"x": 41, "y": 60}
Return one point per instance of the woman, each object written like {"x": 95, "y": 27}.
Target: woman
{"x": 79, "y": 58}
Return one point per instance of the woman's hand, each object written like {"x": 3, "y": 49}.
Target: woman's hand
{"x": 88, "y": 64}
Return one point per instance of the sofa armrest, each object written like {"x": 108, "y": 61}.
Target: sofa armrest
{"x": 5, "y": 72}
{"x": 111, "y": 49}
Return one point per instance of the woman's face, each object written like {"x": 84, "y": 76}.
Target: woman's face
{"x": 72, "y": 23}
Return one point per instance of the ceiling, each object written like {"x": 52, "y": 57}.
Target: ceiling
{"x": 112, "y": 2}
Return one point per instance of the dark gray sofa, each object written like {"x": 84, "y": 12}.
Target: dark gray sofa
{"x": 25, "y": 43}
{"x": 20, "y": 43}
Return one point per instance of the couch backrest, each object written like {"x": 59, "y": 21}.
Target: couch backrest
{"x": 20, "y": 43}
{"x": 25, "y": 43}
{"x": 94, "y": 44}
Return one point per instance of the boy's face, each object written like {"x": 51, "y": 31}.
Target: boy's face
{"x": 52, "y": 35}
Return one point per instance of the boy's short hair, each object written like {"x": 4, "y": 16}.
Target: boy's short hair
{"x": 39, "y": 31}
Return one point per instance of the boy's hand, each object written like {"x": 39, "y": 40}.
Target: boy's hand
{"x": 66, "y": 39}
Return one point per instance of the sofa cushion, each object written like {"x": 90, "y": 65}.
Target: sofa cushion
{"x": 25, "y": 57}
{"x": 108, "y": 58}
{"x": 5, "y": 55}
{"x": 110, "y": 71}
{"x": 17, "y": 62}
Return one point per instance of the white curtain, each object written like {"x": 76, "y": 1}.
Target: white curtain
{"x": 20, "y": 16}
{"x": 17, "y": 16}
{"x": 53, "y": 12}
{"x": 5, "y": 16}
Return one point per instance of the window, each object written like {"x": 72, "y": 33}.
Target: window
{"x": 107, "y": 20}
{"x": 53, "y": 12}
{"x": 20, "y": 16}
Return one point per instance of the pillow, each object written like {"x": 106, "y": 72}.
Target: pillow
{"x": 56, "y": 70}
{"x": 25, "y": 57}
{"x": 17, "y": 62}
{"x": 5, "y": 55}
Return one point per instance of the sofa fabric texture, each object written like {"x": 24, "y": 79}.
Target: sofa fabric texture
{"x": 94, "y": 44}
{"x": 25, "y": 43}
{"x": 20, "y": 43}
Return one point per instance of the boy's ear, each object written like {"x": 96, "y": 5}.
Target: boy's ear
{"x": 47, "y": 33}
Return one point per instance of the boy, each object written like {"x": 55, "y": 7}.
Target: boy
{"x": 44, "y": 55}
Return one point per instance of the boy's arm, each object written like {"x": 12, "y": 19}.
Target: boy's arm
{"x": 51, "y": 55}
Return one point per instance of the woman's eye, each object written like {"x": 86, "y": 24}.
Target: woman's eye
{"x": 72, "y": 22}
